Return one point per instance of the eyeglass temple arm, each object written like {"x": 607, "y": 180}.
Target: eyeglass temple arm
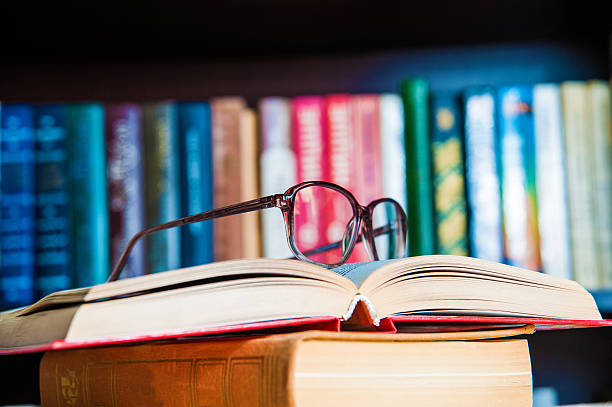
{"x": 377, "y": 232}
{"x": 265, "y": 202}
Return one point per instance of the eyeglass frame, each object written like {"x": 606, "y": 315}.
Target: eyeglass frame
{"x": 286, "y": 203}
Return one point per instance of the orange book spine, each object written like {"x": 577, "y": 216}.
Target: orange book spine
{"x": 231, "y": 372}
{"x": 225, "y": 113}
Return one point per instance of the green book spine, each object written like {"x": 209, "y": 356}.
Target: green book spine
{"x": 421, "y": 233}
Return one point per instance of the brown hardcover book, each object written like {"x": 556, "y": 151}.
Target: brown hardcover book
{"x": 300, "y": 369}
{"x": 225, "y": 114}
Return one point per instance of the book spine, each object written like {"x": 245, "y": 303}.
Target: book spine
{"x": 517, "y": 152}
{"x": 89, "y": 199}
{"x": 162, "y": 184}
{"x": 310, "y": 144}
{"x": 343, "y": 169}
{"x": 235, "y": 372}
{"x": 421, "y": 234}
{"x": 125, "y": 171}
{"x": 580, "y": 192}
{"x": 226, "y": 175}
{"x": 249, "y": 186}
{"x": 482, "y": 180}
{"x": 449, "y": 175}
{"x": 277, "y": 171}
{"x": 553, "y": 222}
{"x": 52, "y": 212}
{"x": 366, "y": 163}
{"x": 17, "y": 199}
{"x": 196, "y": 181}
{"x": 392, "y": 148}
{"x": 601, "y": 168}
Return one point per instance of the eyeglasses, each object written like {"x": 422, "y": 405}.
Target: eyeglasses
{"x": 323, "y": 223}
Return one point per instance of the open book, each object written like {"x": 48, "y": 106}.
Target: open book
{"x": 263, "y": 293}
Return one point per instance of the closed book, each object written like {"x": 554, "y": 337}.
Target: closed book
{"x": 551, "y": 187}
{"x": 392, "y": 148}
{"x": 196, "y": 181}
{"x": 344, "y": 163}
{"x": 297, "y": 369}
{"x": 310, "y": 144}
{"x": 579, "y": 189}
{"x": 517, "y": 153}
{"x": 249, "y": 184}
{"x": 162, "y": 184}
{"x": 482, "y": 179}
{"x": 448, "y": 175}
{"x": 18, "y": 200}
{"x": 277, "y": 170}
{"x": 125, "y": 172}
{"x": 52, "y": 260}
{"x": 423, "y": 294}
{"x": 227, "y": 231}
{"x": 600, "y": 143}
{"x": 421, "y": 232}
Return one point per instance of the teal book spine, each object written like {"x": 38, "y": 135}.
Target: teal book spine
{"x": 52, "y": 222}
{"x": 449, "y": 175}
{"x": 196, "y": 181}
{"x": 482, "y": 178}
{"x": 517, "y": 153}
{"x": 89, "y": 198}
{"x": 17, "y": 200}
{"x": 421, "y": 232}
{"x": 162, "y": 184}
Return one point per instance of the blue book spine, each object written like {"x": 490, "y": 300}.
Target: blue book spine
{"x": 89, "y": 198}
{"x": 517, "y": 153}
{"x": 162, "y": 184}
{"x": 52, "y": 223}
{"x": 17, "y": 200}
{"x": 482, "y": 178}
{"x": 196, "y": 181}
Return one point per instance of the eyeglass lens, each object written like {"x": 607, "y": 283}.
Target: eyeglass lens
{"x": 389, "y": 236}
{"x": 322, "y": 216}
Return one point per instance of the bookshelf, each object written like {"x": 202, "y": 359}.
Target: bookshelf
{"x": 141, "y": 51}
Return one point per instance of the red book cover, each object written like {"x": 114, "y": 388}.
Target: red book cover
{"x": 310, "y": 144}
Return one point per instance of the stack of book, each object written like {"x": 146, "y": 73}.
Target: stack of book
{"x": 517, "y": 174}
{"x": 268, "y": 332}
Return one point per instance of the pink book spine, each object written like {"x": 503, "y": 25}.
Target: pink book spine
{"x": 367, "y": 162}
{"x": 310, "y": 144}
{"x": 343, "y": 166}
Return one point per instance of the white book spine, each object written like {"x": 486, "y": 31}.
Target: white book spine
{"x": 553, "y": 221}
{"x": 580, "y": 194}
{"x": 598, "y": 119}
{"x": 393, "y": 156}
{"x": 277, "y": 171}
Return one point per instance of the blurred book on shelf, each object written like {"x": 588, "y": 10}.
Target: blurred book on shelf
{"x": 519, "y": 174}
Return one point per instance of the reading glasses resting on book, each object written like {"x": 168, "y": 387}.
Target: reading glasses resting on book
{"x": 309, "y": 208}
